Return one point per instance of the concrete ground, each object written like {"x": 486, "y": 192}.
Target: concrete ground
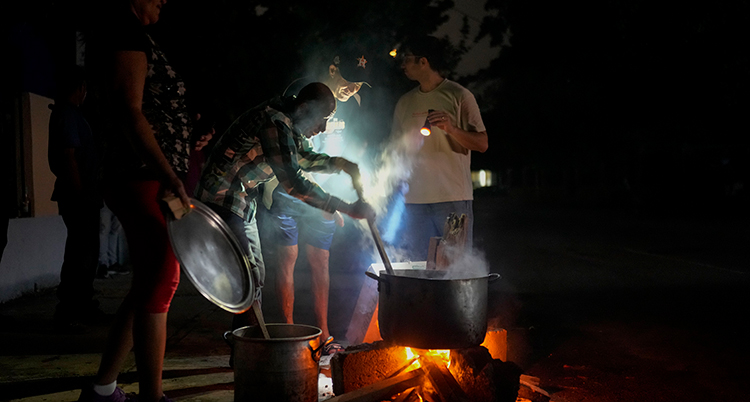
{"x": 601, "y": 305}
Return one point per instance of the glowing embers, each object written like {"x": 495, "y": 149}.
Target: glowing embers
{"x": 381, "y": 371}
{"x": 415, "y": 354}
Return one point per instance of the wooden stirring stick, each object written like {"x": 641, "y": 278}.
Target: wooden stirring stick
{"x": 259, "y": 317}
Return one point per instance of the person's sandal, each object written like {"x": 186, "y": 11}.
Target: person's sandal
{"x": 88, "y": 395}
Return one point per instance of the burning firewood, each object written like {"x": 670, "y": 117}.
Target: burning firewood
{"x": 483, "y": 378}
{"x": 469, "y": 374}
{"x": 384, "y": 389}
{"x": 443, "y": 380}
{"x": 409, "y": 395}
{"x": 533, "y": 384}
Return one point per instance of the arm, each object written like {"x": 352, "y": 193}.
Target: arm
{"x": 280, "y": 151}
{"x": 473, "y": 140}
{"x": 316, "y": 162}
{"x": 129, "y": 79}
{"x": 205, "y": 132}
{"x": 312, "y": 161}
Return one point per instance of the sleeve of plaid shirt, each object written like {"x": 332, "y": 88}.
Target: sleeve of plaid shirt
{"x": 280, "y": 150}
{"x": 316, "y": 162}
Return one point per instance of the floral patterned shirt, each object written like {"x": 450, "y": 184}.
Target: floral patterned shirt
{"x": 164, "y": 108}
{"x": 163, "y": 102}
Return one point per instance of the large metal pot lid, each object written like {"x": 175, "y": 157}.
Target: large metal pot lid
{"x": 212, "y": 258}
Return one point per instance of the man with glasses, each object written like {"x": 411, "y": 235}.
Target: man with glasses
{"x": 440, "y": 182}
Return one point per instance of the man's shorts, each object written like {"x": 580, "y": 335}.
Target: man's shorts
{"x": 294, "y": 221}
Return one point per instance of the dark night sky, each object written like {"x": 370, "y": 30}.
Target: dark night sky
{"x": 595, "y": 93}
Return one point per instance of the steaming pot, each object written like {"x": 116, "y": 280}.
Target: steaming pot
{"x": 427, "y": 309}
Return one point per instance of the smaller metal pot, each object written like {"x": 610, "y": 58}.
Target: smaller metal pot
{"x": 283, "y": 368}
{"x": 423, "y": 309}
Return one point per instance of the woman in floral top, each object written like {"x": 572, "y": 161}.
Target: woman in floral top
{"x": 149, "y": 133}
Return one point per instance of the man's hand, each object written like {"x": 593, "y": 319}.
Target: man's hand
{"x": 360, "y": 210}
{"x": 205, "y": 136}
{"x": 471, "y": 140}
{"x": 204, "y": 140}
{"x": 440, "y": 119}
{"x": 174, "y": 186}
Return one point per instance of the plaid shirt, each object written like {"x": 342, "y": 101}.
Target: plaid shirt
{"x": 260, "y": 144}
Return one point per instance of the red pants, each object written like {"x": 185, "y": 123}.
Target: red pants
{"x": 156, "y": 272}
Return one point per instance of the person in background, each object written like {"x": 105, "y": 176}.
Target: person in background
{"x": 149, "y": 141}
{"x": 206, "y": 130}
{"x": 74, "y": 158}
{"x": 292, "y": 221}
{"x": 113, "y": 249}
{"x": 440, "y": 182}
{"x": 264, "y": 143}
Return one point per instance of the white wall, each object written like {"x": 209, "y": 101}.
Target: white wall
{"x": 34, "y": 254}
{"x": 33, "y": 257}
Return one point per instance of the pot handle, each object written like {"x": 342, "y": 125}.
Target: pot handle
{"x": 227, "y": 339}
{"x": 380, "y": 280}
{"x": 374, "y": 276}
{"x": 493, "y": 277}
{"x": 317, "y": 352}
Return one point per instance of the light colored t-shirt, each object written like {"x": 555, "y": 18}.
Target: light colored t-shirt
{"x": 441, "y": 170}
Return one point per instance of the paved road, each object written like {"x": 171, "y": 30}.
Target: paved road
{"x": 600, "y": 305}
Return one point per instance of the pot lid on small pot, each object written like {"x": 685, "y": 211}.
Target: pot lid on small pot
{"x": 212, "y": 258}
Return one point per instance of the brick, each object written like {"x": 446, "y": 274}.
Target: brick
{"x": 365, "y": 364}
{"x": 496, "y": 342}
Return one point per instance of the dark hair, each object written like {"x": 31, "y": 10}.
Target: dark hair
{"x": 317, "y": 94}
{"x": 68, "y": 80}
{"x": 436, "y": 51}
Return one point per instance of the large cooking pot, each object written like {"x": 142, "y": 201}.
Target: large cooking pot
{"x": 431, "y": 309}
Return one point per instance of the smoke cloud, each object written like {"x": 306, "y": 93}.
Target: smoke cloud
{"x": 466, "y": 263}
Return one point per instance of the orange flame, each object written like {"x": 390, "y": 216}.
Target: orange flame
{"x": 443, "y": 354}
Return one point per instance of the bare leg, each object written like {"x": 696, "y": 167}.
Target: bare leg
{"x": 318, "y": 260}
{"x": 150, "y": 339}
{"x": 119, "y": 344}
{"x": 287, "y": 257}
{"x": 146, "y": 334}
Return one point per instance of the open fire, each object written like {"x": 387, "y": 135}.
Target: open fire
{"x": 380, "y": 371}
{"x": 415, "y": 354}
